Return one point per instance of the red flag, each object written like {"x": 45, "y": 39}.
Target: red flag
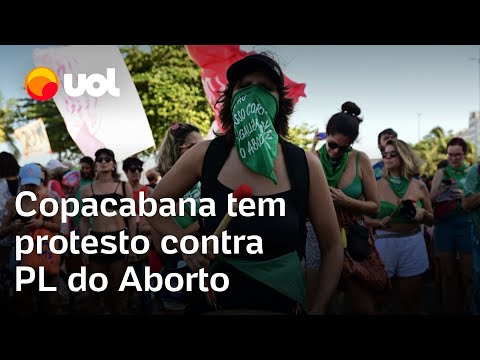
{"x": 215, "y": 60}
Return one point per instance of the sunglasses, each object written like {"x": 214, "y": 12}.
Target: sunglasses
{"x": 102, "y": 159}
{"x": 135, "y": 168}
{"x": 333, "y": 145}
{"x": 457, "y": 155}
{"x": 187, "y": 146}
{"x": 392, "y": 154}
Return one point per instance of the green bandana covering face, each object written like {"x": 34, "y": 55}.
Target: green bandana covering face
{"x": 253, "y": 111}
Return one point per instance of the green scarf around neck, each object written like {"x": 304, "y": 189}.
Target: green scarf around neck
{"x": 458, "y": 174}
{"x": 399, "y": 185}
{"x": 333, "y": 173}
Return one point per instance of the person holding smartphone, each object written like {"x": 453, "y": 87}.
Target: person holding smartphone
{"x": 316, "y": 138}
{"x": 453, "y": 232}
{"x": 15, "y": 224}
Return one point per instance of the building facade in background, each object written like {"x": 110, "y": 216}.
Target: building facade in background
{"x": 472, "y": 133}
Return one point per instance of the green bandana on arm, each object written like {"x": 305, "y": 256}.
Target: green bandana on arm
{"x": 333, "y": 173}
{"x": 187, "y": 219}
{"x": 253, "y": 110}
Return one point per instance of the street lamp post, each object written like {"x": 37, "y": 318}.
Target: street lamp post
{"x": 475, "y": 118}
{"x": 478, "y": 60}
{"x": 418, "y": 125}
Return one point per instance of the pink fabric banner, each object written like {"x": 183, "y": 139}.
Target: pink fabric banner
{"x": 214, "y": 61}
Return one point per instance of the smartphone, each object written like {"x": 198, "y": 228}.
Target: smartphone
{"x": 447, "y": 181}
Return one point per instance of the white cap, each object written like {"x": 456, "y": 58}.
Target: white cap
{"x": 54, "y": 163}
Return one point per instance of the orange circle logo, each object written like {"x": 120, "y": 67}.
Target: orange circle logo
{"x": 41, "y": 84}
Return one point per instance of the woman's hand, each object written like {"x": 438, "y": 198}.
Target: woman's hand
{"x": 315, "y": 140}
{"x": 34, "y": 224}
{"x": 383, "y": 223}
{"x": 198, "y": 260}
{"x": 420, "y": 214}
{"x": 443, "y": 188}
{"x": 457, "y": 194}
{"x": 339, "y": 198}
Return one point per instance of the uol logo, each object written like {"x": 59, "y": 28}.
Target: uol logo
{"x": 42, "y": 84}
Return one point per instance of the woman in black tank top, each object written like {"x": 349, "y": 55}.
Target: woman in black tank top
{"x": 114, "y": 265}
{"x": 254, "y": 114}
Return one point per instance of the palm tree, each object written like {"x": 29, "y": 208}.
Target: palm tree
{"x": 6, "y": 124}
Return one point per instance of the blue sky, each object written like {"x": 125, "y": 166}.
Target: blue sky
{"x": 391, "y": 84}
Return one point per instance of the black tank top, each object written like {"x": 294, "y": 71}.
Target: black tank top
{"x": 100, "y": 197}
{"x": 280, "y": 234}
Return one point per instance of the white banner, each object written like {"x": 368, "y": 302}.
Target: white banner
{"x": 118, "y": 123}
{"x": 33, "y": 138}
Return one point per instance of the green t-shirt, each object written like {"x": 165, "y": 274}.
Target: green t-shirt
{"x": 471, "y": 187}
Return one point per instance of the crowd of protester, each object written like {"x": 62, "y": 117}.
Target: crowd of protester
{"x": 355, "y": 238}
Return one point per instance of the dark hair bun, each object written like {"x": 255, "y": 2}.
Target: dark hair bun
{"x": 352, "y": 109}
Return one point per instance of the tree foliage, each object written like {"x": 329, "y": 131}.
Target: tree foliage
{"x": 170, "y": 87}
{"x": 301, "y": 135}
{"x": 7, "y": 123}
